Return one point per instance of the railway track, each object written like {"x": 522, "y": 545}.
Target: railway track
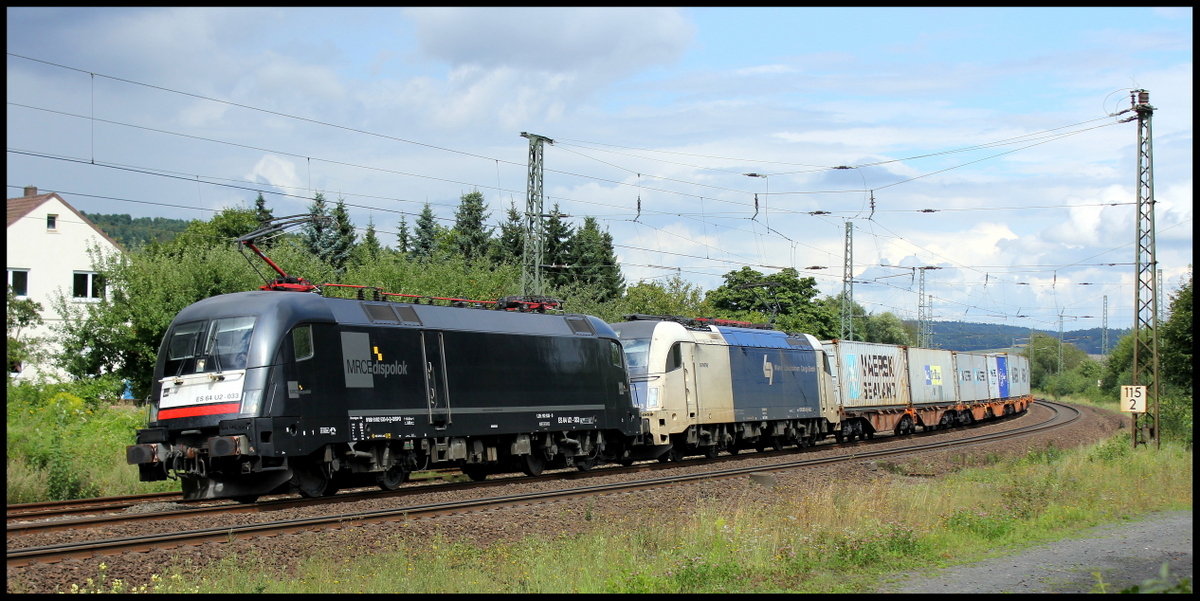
{"x": 34, "y": 518}
{"x": 1063, "y": 415}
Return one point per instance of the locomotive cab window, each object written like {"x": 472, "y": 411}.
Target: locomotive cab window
{"x": 226, "y": 344}
{"x": 181, "y": 346}
{"x": 636, "y": 352}
{"x": 302, "y": 345}
{"x": 616, "y": 354}
{"x": 675, "y": 357}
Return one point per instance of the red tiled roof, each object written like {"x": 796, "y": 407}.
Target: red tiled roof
{"x": 24, "y": 205}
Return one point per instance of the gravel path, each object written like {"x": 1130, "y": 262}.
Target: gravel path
{"x": 1124, "y": 554}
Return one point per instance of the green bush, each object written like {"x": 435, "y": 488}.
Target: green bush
{"x": 67, "y": 441}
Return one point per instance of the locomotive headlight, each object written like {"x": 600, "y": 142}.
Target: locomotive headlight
{"x": 652, "y": 398}
{"x": 250, "y": 402}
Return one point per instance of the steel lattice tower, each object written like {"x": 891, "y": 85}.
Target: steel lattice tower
{"x": 924, "y": 312}
{"x": 1145, "y": 327}
{"x": 848, "y": 285}
{"x": 1104, "y": 332}
{"x": 535, "y": 237}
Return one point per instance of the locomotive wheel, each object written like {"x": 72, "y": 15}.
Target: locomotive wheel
{"x": 314, "y": 482}
{"x": 477, "y": 473}
{"x": 532, "y": 464}
{"x": 245, "y": 499}
{"x": 392, "y": 478}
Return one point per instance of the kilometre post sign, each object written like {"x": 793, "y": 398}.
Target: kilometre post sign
{"x": 1133, "y": 399}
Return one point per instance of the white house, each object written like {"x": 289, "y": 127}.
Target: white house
{"x": 48, "y": 244}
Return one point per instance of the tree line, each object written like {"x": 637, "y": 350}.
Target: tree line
{"x": 151, "y": 283}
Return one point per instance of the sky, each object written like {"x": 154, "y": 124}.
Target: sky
{"x": 983, "y": 142}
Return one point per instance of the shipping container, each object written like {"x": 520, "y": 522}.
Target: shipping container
{"x": 993, "y": 377}
{"x": 931, "y": 376}
{"x": 1018, "y": 381}
{"x": 972, "y": 377}
{"x": 868, "y": 374}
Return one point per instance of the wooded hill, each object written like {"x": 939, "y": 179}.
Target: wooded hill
{"x": 134, "y": 233}
{"x": 966, "y": 336}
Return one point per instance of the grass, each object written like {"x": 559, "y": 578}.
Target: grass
{"x": 831, "y": 538}
{"x": 63, "y": 442}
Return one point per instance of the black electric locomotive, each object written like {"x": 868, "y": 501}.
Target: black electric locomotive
{"x": 265, "y": 391}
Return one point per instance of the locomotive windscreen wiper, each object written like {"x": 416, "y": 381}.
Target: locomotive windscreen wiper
{"x": 211, "y": 345}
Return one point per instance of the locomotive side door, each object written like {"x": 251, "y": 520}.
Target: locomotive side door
{"x": 437, "y": 394}
{"x": 689, "y": 378}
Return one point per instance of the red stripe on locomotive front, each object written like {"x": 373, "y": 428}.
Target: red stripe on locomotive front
{"x": 199, "y": 410}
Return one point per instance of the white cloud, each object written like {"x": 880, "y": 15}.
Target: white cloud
{"x": 595, "y": 40}
{"x": 765, "y": 70}
{"x": 275, "y": 171}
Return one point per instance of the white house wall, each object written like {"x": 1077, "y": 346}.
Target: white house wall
{"x": 52, "y": 258}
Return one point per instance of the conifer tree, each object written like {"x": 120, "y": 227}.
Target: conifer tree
{"x": 425, "y": 235}
{"x": 343, "y": 239}
{"x": 557, "y": 249}
{"x": 510, "y": 247}
{"x": 402, "y": 238}
{"x": 319, "y": 236}
{"x": 470, "y": 238}
{"x": 369, "y": 250}
{"x": 593, "y": 260}
{"x": 261, "y": 212}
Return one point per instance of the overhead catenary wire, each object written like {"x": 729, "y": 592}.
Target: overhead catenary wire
{"x": 703, "y": 220}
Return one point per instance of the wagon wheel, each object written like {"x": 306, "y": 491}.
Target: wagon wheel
{"x": 711, "y": 451}
{"x": 532, "y": 464}
{"x": 392, "y": 478}
{"x": 245, "y": 499}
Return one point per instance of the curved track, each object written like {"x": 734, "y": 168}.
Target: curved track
{"x": 1063, "y": 415}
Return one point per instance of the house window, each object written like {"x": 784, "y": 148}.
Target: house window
{"x": 87, "y": 285}
{"x": 51, "y": 223}
{"x": 18, "y": 279}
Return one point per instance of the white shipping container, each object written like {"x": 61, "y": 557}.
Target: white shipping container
{"x": 1018, "y": 377}
{"x": 972, "y": 377}
{"x": 931, "y": 376}
{"x": 868, "y": 374}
